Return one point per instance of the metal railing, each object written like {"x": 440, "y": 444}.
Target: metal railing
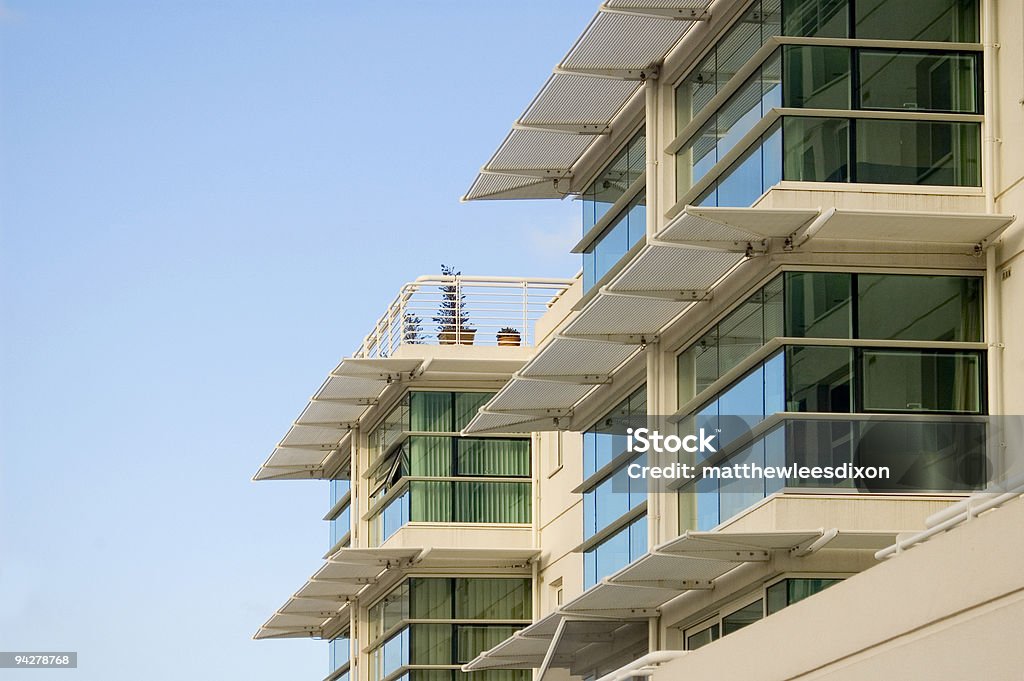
{"x": 461, "y": 310}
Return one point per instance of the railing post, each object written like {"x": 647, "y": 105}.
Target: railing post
{"x": 526, "y": 313}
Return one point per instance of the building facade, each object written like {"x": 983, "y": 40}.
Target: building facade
{"x": 798, "y": 235}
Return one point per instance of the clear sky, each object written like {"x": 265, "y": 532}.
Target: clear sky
{"x": 203, "y": 206}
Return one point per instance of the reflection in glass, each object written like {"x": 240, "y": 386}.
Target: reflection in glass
{"x": 919, "y": 152}
{"x": 816, "y": 18}
{"x": 918, "y": 81}
{"x": 908, "y": 381}
{"x": 818, "y": 305}
{"x": 930, "y": 20}
{"x": 816, "y": 77}
{"x": 818, "y": 378}
{"x": 816, "y": 149}
{"x": 942, "y": 308}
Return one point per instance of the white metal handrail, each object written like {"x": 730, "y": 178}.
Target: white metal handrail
{"x": 463, "y": 310}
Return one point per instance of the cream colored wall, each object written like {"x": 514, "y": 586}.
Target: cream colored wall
{"x": 560, "y": 518}
{"x": 1009, "y": 194}
{"x": 948, "y": 609}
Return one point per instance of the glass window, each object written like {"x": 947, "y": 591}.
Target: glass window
{"x": 493, "y": 457}
{"x": 696, "y": 90}
{"x": 430, "y": 411}
{"x": 819, "y": 18}
{"x": 819, "y": 379}
{"x": 790, "y": 591}
{"x": 816, "y": 149}
{"x": 918, "y": 81}
{"x": 474, "y": 639}
{"x": 490, "y": 502}
{"x": 492, "y": 598}
{"x": 818, "y": 304}
{"x": 917, "y": 307}
{"x": 918, "y": 152}
{"x": 908, "y": 381}
{"x": 737, "y": 494}
{"x": 615, "y": 552}
{"x": 746, "y": 615}
{"x": 466, "y": 407}
{"x": 930, "y": 20}
{"x": 740, "y": 333}
{"x": 703, "y": 637}
{"x": 816, "y": 77}
{"x": 606, "y": 439}
{"x": 340, "y": 651}
{"x": 430, "y": 598}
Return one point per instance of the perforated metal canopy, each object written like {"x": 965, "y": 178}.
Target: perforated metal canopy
{"x": 323, "y": 602}
{"x": 637, "y": 592}
{"x": 322, "y": 433}
{"x": 620, "y": 47}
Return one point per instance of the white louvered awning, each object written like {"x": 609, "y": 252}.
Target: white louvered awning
{"x": 581, "y": 99}
{"x": 321, "y": 434}
{"x": 637, "y": 592}
{"x": 324, "y": 601}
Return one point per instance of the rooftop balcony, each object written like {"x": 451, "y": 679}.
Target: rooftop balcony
{"x": 439, "y": 330}
{"x": 463, "y": 310}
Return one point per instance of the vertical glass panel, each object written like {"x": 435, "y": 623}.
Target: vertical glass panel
{"x": 741, "y": 407}
{"x": 775, "y": 597}
{"x": 741, "y": 183}
{"x": 589, "y": 268}
{"x": 739, "y": 44}
{"x": 705, "y": 359}
{"x": 697, "y": 157}
{"x": 492, "y": 598}
{"x": 816, "y": 77}
{"x": 474, "y": 639}
{"x": 930, "y": 20}
{"x": 919, "y": 152}
{"x": 775, "y": 456}
{"x": 745, "y": 616}
{"x": 636, "y": 218}
{"x": 429, "y": 456}
{"x": 612, "y": 554}
{"x": 430, "y": 412}
{"x": 818, "y": 379}
{"x": 771, "y": 157}
{"x": 819, "y": 443}
{"x": 815, "y": 149}
{"x": 491, "y": 502}
{"x": 589, "y": 568}
{"x": 702, "y": 637}
{"x": 740, "y": 333}
{"x": 430, "y": 502}
{"x": 493, "y": 457}
{"x": 696, "y": 90}
{"x": 340, "y": 651}
{"x": 430, "y": 644}
{"x": 820, "y": 18}
{"x": 637, "y": 538}
{"x": 774, "y": 309}
{"x": 612, "y": 504}
{"x": 610, "y": 247}
{"x": 636, "y": 156}
{"x": 430, "y": 598}
{"x": 818, "y": 305}
{"x": 940, "y": 308}
{"x": 739, "y": 115}
{"x": 466, "y": 406}
{"x": 799, "y": 589}
{"x": 775, "y": 385}
{"x": 909, "y": 381}
{"x": 918, "y": 81}
{"x": 738, "y": 494}
{"x": 707, "y": 503}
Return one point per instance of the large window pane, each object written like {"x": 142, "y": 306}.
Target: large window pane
{"x": 741, "y": 183}
{"x": 919, "y": 152}
{"x": 931, "y": 20}
{"x": 492, "y": 598}
{"x": 493, "y": 457}
{"x": 740, "y": 333}
{"x": 430, "y": 598}
{"x": 908, "y": 381}
{"x": 430, "y": 411}
{"x": 931, "y": 308}
{"x": 745, "y": 616}
{"x": 818, "y": 379}
{"x": 816, "y": 77}
{"x": 820, "y": 18}
{"x": 490, "y": 502}
{"x": 818, "y": 305}
{"x": 918, "y": 81}
{"x": 815, "y": 149}
{"x": 428, "y": 456}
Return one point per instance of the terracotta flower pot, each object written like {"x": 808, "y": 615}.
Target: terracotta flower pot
{"x": 509, "y": 339}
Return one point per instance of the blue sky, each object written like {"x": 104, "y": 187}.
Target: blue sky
{"x": 203, "y": 207}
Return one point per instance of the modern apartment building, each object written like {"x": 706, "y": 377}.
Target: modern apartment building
{"x": 799, "y": 235}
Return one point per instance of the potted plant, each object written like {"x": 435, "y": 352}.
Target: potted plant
{"x": 452, "y": 318}
{"x": 412, "y": 331}
{"x": 509, "y": 336}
